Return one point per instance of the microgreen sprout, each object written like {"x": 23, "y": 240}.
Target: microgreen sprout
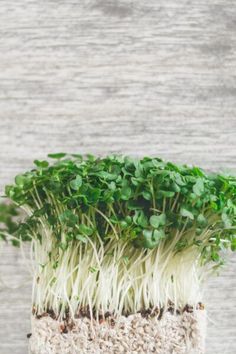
{"x": 120, "y": 233}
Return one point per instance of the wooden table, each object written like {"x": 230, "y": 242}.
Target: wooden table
{"x": 135, "y": 77}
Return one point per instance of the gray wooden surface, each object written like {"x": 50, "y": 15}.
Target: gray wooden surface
{"x": 138, "y": 77}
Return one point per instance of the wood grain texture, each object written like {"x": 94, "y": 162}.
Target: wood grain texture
{"x": 99, "y": 76}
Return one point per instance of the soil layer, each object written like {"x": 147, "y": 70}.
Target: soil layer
{"x": 160, "y": 331}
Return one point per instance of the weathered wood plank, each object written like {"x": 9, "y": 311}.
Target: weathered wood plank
{"x": 124, "y": 76}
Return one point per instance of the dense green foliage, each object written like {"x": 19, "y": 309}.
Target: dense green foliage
{"x": 143, "y": 201}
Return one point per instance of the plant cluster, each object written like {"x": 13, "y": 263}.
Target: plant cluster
{"x": 119, "y": 233}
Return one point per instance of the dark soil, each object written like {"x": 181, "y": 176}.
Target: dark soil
{"x": 67, "y": 324}
{"x": 146, "y": 313}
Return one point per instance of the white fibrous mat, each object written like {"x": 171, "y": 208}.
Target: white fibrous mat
{"x": 171, "y": 334}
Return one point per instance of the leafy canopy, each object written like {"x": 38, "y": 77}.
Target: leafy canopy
{"x": 145, "y": 202}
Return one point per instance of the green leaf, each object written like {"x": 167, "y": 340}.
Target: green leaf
{"x": 78, "y": 156}
{"x": 21, "y": 180}
{"x": 148, "y": 242}
{"x": 215, "y": 256}
{"x": 41, "y": 164}
{"x": 123, "y": 224}
{"x": 76, "y": 183}
{"x": 126, "y": 193}
{"x": 142, "y": 219}
{"x": 15, "y": 243}
{"x": 133, "y": 205}
{"x": 166, "y": 194}
{"x": 154, "y": 221}
{"x": 233, "y": 244}
{"x": 198, "y": 187}
{"x": 81, "y": 238}
{"x": 147, "y": 195}
{"x": 128, "y": 219}
{"x": 68, "y": 218}
{"x": 114, "y": 219}
{"x": 85, "y": 230}
{"x": 151, "y": 239}
{"x": 93, "y": 194}
{"x": 186, "y": 213}
{"x": 112, "y": 186}
{"x": 180, "y": 180}
{"x": 57, "y": 156}
{"x": 135, "y": 217}
{"x": 175, "y": 187}
{"x": 158, "y": 235}
{"x": 91, "y": 158}
{"x": 198, "y": 231}
{"x": 106, "y": 175}
{"x": 157, "y": 220}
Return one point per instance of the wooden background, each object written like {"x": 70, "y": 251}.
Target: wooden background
{"x": 101, "y": 76}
